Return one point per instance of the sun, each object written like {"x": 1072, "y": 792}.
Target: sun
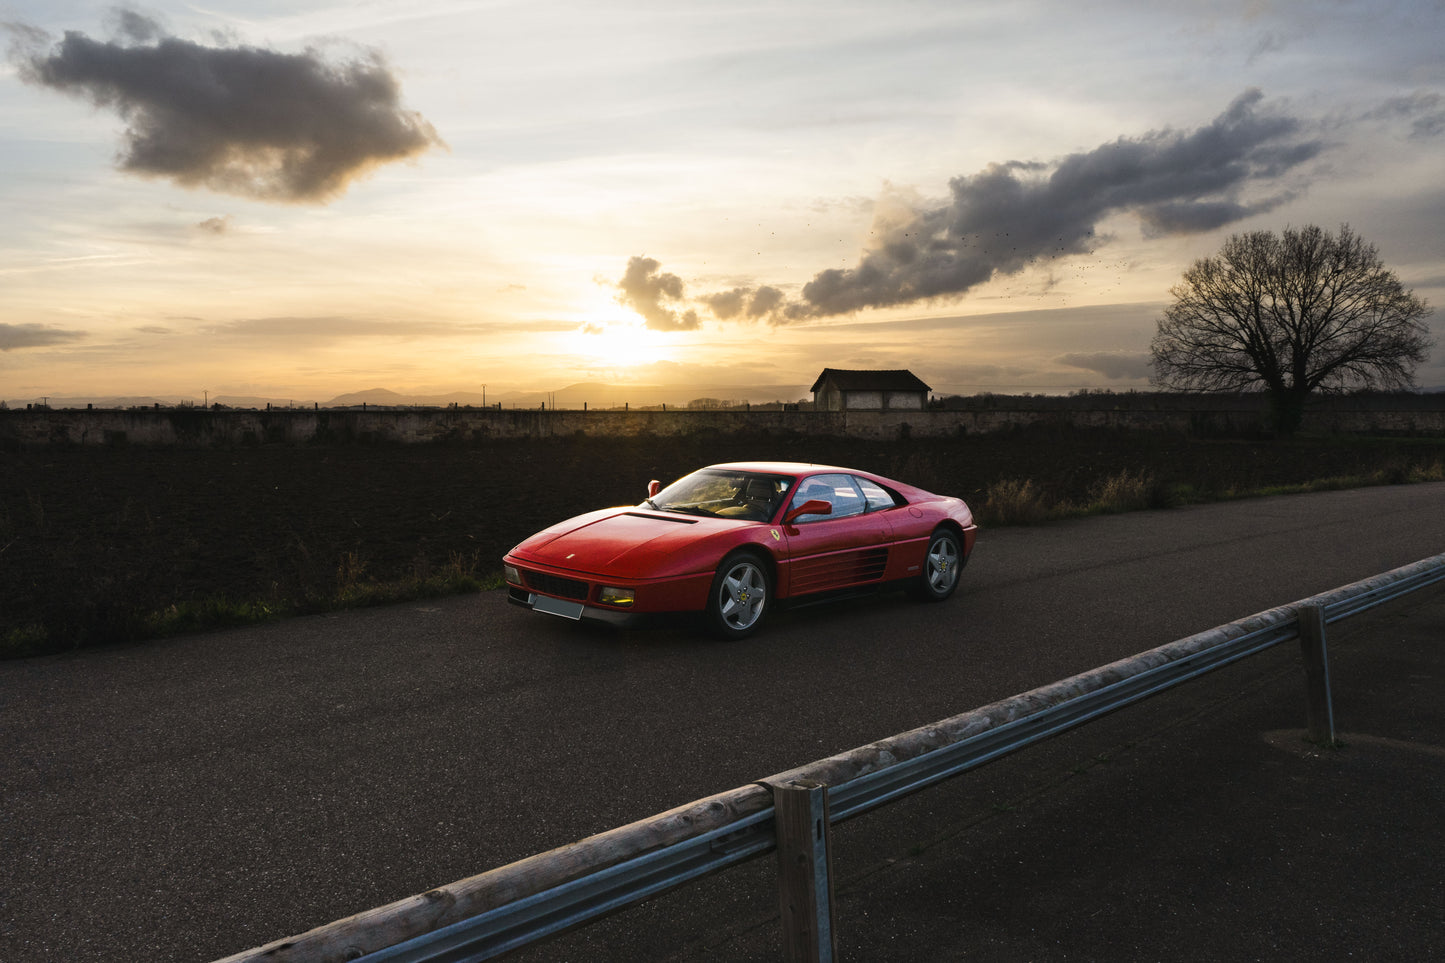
{"x": 607, "y": 339}
{"x": 616, "y": 344}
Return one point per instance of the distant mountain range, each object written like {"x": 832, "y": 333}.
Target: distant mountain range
{"x": 592, "y": 394}
{"x": 589, "y": 394}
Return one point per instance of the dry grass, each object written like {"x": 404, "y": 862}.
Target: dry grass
{"x": 1433, "y": 472}
{"x": 1127, "y": 492}
{"x": 1014, "y": 502}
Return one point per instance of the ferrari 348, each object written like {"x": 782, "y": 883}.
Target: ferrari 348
{"x": 730, "y": 541}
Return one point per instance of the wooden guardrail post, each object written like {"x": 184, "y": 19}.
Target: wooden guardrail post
{"x": 805, "y": 871}
{"x": 1321, "y": 712}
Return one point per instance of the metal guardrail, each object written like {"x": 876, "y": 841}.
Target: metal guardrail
{"x": 490, "y": 914}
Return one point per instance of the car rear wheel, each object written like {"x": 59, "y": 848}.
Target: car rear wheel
{"x": 941, "y": 565}
{"x": 739, "y": 596}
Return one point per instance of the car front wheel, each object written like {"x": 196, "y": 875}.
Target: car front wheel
{"x": 739, "y": 596}
{"x": 941, "y": 566}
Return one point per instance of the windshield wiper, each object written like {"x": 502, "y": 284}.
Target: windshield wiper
{"x": 689, "y": 510}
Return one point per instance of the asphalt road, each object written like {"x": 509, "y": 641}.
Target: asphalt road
{"x": 187, "y": 799}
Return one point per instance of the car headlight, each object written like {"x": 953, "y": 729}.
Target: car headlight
{"x": 511, "y": 574}
{"x": 610, "y": 595}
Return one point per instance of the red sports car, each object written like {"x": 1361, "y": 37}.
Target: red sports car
{"x": 731, "y": 540}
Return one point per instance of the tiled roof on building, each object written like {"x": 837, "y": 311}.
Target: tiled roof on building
{"x": 844, "y": 379}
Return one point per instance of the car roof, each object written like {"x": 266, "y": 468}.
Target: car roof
{"x": 785, "y": 467}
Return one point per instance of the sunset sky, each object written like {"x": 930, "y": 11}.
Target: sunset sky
{"x": 298, "y": 199}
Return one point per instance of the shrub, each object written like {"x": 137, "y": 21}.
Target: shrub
{"x": 1126, "y": 492}
{"x": 1428, "y": 473}
{"x": 28, "y": 639}
{"x": 1013, "y": 502}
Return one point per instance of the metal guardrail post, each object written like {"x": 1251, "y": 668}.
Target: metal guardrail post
{"x": 805, "y": 871}
{"x": 1321, "y": 712}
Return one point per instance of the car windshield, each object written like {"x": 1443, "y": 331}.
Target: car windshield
{"x": 748, "y": 496}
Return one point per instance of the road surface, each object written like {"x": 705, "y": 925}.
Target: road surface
{"x": 190, "y": 798}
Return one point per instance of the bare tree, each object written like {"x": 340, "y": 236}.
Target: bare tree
{"x": 1292, "y": 314}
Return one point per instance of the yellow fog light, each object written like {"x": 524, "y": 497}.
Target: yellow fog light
{"x": 616, "y": 596}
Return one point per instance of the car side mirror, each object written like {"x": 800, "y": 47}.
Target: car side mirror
{"x": 653, "y": 487}
{"x": 814, "y": 507}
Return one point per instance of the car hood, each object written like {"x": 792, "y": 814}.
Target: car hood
{"x": 623, "y": 541}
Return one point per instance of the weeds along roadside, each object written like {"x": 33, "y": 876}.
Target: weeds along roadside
{"x": 103, "y": 621}
{"x": 1020, "y": 502}
{"x": 103, "y": 546}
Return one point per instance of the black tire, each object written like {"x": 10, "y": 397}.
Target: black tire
{"x": 942, "y": 564}
{"x": 738, "y": 599}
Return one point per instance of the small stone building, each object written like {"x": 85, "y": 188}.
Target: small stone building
{"x": 838, "y": 389}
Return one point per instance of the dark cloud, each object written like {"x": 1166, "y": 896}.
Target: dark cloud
{"x": 215, "y": 225}
{"x": 237, "y": 119}
{"x": 749, "y": 303}
{"x": 1110, "y": 365}
{"x": 1194, "y": 217}
{"x": 13, "y": 336}
{"x": 727, "y": 305}
{"x": 1424, "y": 109}
{"x": 136, "y": 26}
{"x": 1014, "y": 215}
{"x": 649, "y": 293}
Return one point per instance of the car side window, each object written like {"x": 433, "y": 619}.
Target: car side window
{"x": 839, "y": 491}
{"x": 878, "y": 498}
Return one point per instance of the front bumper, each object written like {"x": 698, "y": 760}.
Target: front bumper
{"x": 578, "y": 595}
{"x": 574, "y": 611}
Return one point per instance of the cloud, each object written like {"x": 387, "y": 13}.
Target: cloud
{"x": 1012, "y": 215}
{"x": 647, "y": 292}
{"x": 1425, "y": 110}
{"x": 1016, "y": 214}
{"x": 1111, "y": 365}
{"x": 323, "y": 330}
{"x": 13, "y": 336}
{"x": 215, "y": 225}
{"x": 749, "y": 303}
{"x": 235, "y": 119}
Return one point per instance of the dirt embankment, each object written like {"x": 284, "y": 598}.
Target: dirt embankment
{"x": 93, "y": 540}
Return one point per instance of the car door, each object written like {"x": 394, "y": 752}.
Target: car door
{"x": 847, "y": 547}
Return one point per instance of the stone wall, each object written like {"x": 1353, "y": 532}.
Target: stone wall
{"x": 201, "y": 427}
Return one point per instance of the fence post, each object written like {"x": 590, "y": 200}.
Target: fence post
{"x": 805, "y": 871}
{"x": 1321, "y": 712}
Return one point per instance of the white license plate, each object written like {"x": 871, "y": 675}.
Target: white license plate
{"x": 560, "y": 607}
